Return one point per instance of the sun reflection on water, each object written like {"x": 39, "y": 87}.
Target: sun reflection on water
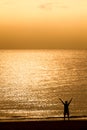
{"x": 34, "y": 80}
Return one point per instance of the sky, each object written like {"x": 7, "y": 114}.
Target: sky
{"x": 43, "y": 24}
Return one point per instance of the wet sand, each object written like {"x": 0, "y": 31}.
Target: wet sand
{"x": 44, "y": 125}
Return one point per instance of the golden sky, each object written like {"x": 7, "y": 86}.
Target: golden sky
{"x": 35, "y": 24}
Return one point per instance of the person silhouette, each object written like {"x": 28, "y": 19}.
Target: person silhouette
{"x": 66, "y": 107}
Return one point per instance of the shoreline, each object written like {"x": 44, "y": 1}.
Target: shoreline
{"x": 23, "y": 119}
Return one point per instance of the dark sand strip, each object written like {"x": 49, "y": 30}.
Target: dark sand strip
{"x": 44, "y": 125}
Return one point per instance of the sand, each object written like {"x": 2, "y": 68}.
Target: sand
{"x": 44, "y": 125}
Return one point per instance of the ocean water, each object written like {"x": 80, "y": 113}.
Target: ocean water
{"x": 32, "y": 81}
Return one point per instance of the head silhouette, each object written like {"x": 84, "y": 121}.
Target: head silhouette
{"x": 66, "y": 102}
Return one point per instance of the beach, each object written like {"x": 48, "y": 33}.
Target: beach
{"x": 45, "y": 125}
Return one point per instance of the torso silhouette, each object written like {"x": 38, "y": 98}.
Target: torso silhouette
{"x": 66, "y": 109}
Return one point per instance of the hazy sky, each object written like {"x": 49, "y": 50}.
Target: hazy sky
{"x": 42, "y": 24}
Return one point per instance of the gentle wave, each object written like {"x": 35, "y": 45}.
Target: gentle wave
{"x": 84, "y": 117}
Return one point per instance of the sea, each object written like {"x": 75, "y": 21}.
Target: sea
{"x": 32, "y": 81}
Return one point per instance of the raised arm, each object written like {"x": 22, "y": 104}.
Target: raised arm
{"x": 70, "y": 101}
{"x": 61, "y": 100}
